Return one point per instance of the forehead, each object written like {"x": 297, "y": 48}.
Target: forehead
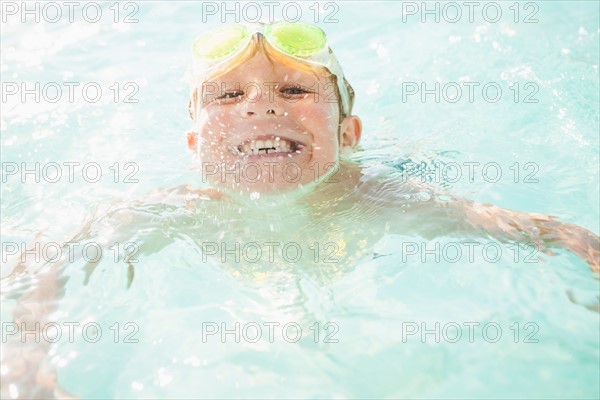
{"x": 261, "y": 67}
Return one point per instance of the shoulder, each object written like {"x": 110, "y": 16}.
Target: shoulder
{"x": 158, "y": 203}
{"x": 182, "y": 195}
{"x": 381, "y": 185}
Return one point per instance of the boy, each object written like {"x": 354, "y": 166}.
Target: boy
{"x": 273, "y": 114}
{"x": 265, "y": 122}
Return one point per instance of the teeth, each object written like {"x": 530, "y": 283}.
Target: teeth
{"x": 256, "y": 147}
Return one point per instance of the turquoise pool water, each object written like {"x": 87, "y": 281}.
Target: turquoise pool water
{"x": 361, "y": 317}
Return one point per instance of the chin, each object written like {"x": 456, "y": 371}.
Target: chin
{"x": 265, "y": 173}
{"x": 265, "y": 186}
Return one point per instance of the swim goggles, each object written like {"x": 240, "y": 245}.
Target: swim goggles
{"x": 303, "y": 42}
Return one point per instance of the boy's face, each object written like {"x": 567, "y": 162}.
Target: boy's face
{"x": 267, "y": 127}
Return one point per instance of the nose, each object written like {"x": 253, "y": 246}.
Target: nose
{"x": 260, "y": 103}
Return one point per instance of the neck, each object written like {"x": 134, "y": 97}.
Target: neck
{"x": 336, "y": 183}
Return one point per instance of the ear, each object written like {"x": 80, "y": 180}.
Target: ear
{"x": 350, "y": 131}
{"x": 192, "y": 140}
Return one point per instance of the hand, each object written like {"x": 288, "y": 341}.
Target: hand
{"x": 544, "y": 230}
{"x": 27, "y": 373}
{"x": 583, "y": 243}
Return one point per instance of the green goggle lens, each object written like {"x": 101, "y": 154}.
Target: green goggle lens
{"x": 220, "y": 43}
{"x": 297, "y": 39}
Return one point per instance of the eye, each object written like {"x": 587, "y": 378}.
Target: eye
{"x": 234, "y": 95}
{"x": 294, "y": 91}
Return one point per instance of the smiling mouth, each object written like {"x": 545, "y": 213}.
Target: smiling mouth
{"x": 274, "y": 145}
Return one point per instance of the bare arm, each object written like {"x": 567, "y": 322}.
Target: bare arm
{"x": 431, "y": 217}
{"x": 27, "y": 372}
{"x": 544, "y": 230}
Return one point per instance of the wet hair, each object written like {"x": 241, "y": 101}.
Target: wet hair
{"x": 275, "y": 57}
